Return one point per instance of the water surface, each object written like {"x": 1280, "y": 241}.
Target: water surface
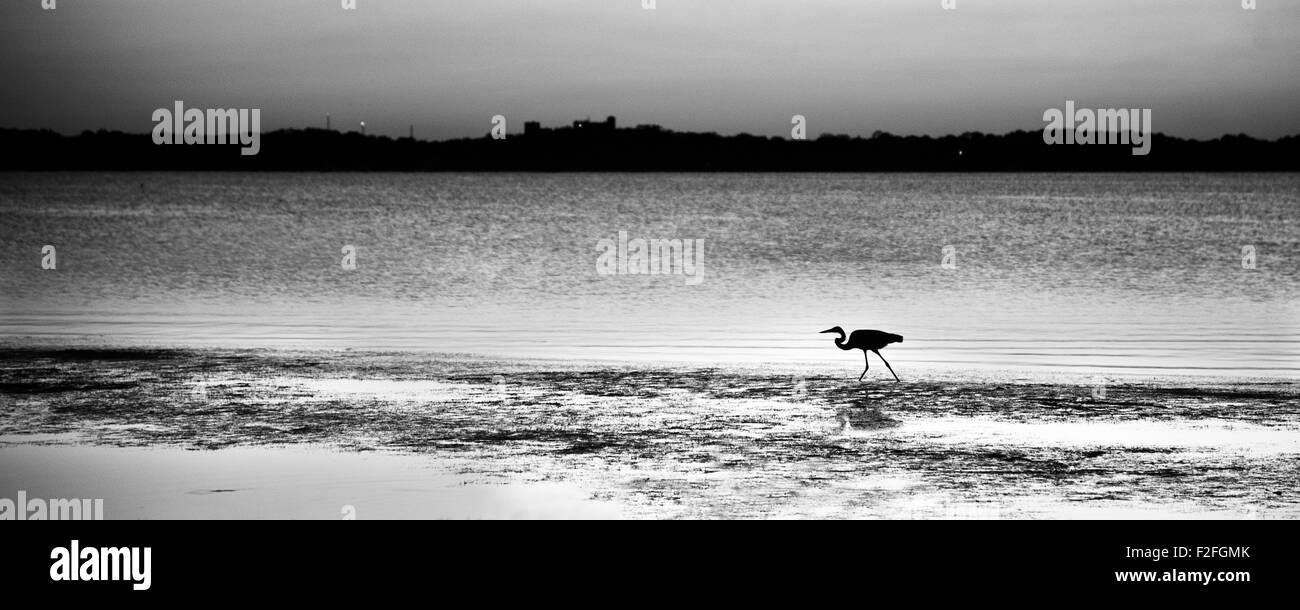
{"x": 1055, "y": 274}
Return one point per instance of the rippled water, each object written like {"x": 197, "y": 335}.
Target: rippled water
{"x": 1078, "y": 274}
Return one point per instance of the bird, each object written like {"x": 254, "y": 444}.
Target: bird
{"x": 864, "y": 340}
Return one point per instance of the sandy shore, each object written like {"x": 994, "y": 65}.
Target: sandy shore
{"x": 242, "y": 434}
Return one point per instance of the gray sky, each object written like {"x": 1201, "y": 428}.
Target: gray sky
{"x": 1204, "y": 67}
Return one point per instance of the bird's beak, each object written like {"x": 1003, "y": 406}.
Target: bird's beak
{"x": 829, "y": 330}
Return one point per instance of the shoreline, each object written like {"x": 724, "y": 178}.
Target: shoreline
{"x": 918, "y": 373}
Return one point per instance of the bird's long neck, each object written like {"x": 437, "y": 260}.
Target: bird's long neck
{"x": 840, "y": 342}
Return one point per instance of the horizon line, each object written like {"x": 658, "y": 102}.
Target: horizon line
{"x": 656, "y": 127}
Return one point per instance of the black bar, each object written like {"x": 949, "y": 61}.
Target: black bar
{"x": 992, "y": 561}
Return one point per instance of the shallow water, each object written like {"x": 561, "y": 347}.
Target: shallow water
{"x": 689, "y": 442}
{"x": 1118, "y": 276}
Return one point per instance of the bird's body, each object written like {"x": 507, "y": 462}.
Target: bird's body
{"x": 866, "y": 340}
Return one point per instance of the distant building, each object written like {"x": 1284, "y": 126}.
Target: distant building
{"x": 579, "y": 127}
{"x": 589, "y": 125}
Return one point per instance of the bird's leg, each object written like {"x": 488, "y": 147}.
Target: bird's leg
{"x": 868, "y": 361}
{"x": 891, "y": 369}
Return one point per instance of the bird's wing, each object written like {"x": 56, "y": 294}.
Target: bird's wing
{"x": 868, "y": 336}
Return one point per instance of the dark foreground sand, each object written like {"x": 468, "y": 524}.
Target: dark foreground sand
{"x": 267, "y": 434}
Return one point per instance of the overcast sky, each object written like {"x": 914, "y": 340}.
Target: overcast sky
{"x": 1204, "y": 67}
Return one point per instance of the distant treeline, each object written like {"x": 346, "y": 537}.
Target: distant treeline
{"x": 641, "y": 149}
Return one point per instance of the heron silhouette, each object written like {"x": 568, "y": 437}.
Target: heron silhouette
{"x": 864, "y": 340}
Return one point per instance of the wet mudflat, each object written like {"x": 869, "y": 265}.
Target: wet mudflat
{"x": 694, "y": 442}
